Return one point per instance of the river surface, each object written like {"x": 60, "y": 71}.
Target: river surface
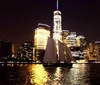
{"x": 30, "y": 74}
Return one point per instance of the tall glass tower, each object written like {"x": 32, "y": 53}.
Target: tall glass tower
{"x": 57, "y": 29}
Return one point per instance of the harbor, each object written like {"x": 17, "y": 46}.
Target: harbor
{"x": 49, "y": 42}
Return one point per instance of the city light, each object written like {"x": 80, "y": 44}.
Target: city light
{"x": 38, "y": 75}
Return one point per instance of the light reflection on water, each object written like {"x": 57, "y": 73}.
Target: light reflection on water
{"x": 31, "y": 74}
{"x": 40, "y": 75}
{"x": 78, "y": 75}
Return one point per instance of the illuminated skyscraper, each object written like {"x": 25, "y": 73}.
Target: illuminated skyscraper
{"x": 81, "y": 41}
{"x": 71, "y": 40}
{"x": 97, "y": 49}
{"x": 57, "y": 27}
{"x": 42, "y": 32}
{"x": 65, "y": 33}
{"x": 57, "y": 24}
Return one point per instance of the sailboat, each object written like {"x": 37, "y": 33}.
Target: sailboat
{"x": 52, "y": 59}
{"x": 65, "y": 56}
{"x": 50, "y": 56}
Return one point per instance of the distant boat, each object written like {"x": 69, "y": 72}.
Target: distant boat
{"x": 51, "y": 58}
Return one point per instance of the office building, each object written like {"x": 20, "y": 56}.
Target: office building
{"x": 71, "y": 39}
{"x": 65, "y": 33}
{"x": 97, "y": 49}
{"x": 57, "y": 24}
{"x": 42, "y": 32}
{"x": 25, "y": 51}
{"x": 81, "y": 41}
{"x": 6, "y": 50}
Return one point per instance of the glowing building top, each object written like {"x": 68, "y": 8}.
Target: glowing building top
{"x": 57, "y": 28}
{"x": 42, "y": 32}
{"x": 43, "y": 25}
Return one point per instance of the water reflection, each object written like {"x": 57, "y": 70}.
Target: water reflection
{"x": 31, "y": 74}
{"x": 58, "y": 76}
{"x": 38, "y": 75}
{"x": 77, "y": 75}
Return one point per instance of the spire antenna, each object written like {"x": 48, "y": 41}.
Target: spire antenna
{"x": 57, "y": 4}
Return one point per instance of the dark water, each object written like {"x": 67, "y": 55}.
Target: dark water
{"x": 79, "y": 74}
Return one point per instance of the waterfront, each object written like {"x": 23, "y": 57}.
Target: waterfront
{"x": 31, "y": 74}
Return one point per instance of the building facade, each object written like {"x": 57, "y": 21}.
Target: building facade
{"x": 57, "y": 24}
{"x": 71, "y": 39}
{"x": 65, "y": 33}
{"x": 6, "y": 50}
{"x": 42, "y": 32}
{"x": 97, "y": 50}
{"x": 25, "y": 52}
{"x": 81, "y": 40}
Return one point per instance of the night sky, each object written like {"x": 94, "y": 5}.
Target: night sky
{"x": 19, "y": 18}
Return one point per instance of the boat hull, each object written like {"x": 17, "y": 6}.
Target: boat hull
{"x": 57, "y": 64}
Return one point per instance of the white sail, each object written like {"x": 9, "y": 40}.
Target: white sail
{"x": 50, "y": 53}
{"x": 61, "y": 51}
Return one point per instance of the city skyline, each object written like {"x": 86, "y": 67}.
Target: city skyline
{"x": 19, "y": 19}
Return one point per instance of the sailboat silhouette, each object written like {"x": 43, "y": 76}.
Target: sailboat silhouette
{"x": 52, "y": 59}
